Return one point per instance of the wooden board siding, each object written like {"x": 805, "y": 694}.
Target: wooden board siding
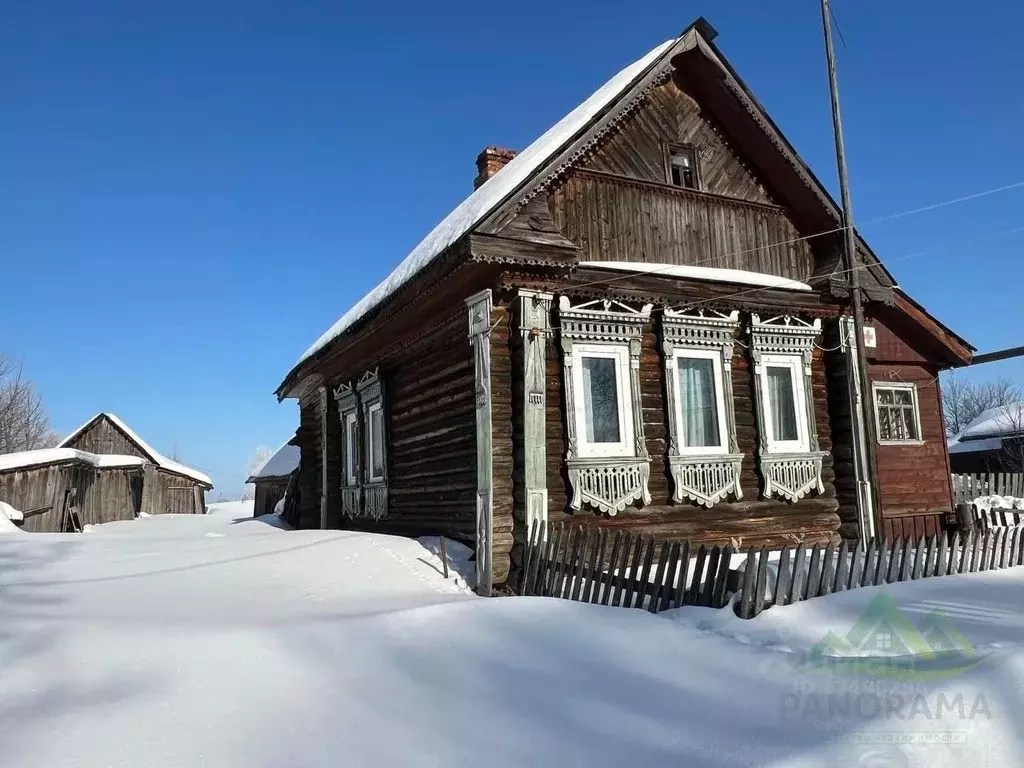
{"x": 166, "y": 493}
{"x": 637, "y": 148}
{"x": 752, "y": 520}
{"x": 914, "y": 480}
{"x": 267, "y": 494}
{"x": 104, "y": 437}
{"x": 104, "y": 495}
{"x": 613, "y": 218}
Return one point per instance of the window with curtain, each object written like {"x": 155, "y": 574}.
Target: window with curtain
{"x": 700, "y": 401}
{"x": 783, "y": 403}
{"x": 782, "y": 387}
{"x": 601, "y": 400}
{"x": 600, "y": 382}
{"x": 896, "y": 413}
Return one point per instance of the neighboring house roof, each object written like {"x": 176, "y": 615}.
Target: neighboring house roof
{"x": 558, "y": 146}
{"x": 281, "y": 464}
{"x": 1001, "y": 421}
{"x": 975, "y": 446}
{"x": 26, "y": 459}
{"x": 154, "y": 455}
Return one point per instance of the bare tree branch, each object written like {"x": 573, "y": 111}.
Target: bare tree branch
{"x": 24, "y": 424}
{"x": 964, "y": 401}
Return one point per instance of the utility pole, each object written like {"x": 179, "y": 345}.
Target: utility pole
{"x": 861, "y": 409}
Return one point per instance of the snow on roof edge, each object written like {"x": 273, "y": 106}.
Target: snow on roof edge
{"x": 717, "y": 274}
{"x": 158, "y": 458}
{"x": 53, "y": 455}
{"x": 281, "y": 462}
{"x": 482, "y": 201}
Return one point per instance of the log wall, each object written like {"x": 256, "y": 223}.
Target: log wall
{"x": 750, "y": 521}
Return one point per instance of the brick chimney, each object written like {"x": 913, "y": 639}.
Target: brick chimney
{"x": 489, "y": 162}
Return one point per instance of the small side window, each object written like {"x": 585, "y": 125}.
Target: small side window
{"x": 897, "y": 415}
{"x": 682, "y": 166}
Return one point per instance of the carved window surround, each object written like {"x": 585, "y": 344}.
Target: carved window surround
{"x": 535, "y": 330}
{"x": 374, "y": 423}
{"x": 348, "y": 414}
{"x": 704, "y": 475}
{"x": 790, "y": 464}
{"x": 607, "y": 483}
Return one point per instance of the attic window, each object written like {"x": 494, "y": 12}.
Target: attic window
{"x": 682, "y": 166}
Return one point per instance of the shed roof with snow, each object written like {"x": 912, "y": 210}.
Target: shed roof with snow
{"x": 108, "y": 435}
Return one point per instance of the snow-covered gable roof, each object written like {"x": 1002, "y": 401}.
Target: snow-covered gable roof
{"x": 281, "y": 464}
{"x": 154, "y": 455}
{"x": 475, "y": 208}
{"x": 25, "y": 459}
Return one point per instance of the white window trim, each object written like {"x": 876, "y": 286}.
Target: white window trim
{"x": 625, "y": 447}
{"x": 796, "y": 365}
{"x": 906, "y": 386}
{"x": 715, "y": 356}
{"x": 351, "y": 463}
{"x": 376, "y": 407}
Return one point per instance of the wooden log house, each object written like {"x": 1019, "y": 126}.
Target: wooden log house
{"x": 636, "y": 322}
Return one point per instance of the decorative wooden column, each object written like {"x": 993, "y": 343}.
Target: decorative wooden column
{"x": 322, "y": 393}
{"x": 535, "y": 328}
{"x": 480, "y": 305}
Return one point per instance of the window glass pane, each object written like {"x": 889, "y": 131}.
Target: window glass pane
{"x": 698, "y": 402}
{"x": 783, "y": 405}
{"x": 377, "y": 443}
{"x": 600, "y": 399}
{"x": 902, "y": 396}
{"x": 351, "y": 450}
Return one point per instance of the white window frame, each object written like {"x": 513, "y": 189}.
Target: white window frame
{"x": 715, "y": 356}
{"x": 907, "y": 387}
{"x": 375, "y": 408}
{"x": 620, "y": 354}
{"x": 350, "y": 431}
{"x": 796, "y": 365}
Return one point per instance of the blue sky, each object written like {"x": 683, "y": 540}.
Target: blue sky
{"x": 190, "y": 193}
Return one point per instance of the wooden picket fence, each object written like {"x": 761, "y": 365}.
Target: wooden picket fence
{"x": 799, "y": 574}
{"x": 619, "y": 568}
{"x": 966, "y": 488}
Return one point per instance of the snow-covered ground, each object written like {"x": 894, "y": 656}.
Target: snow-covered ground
{"x": 220, "y": 640}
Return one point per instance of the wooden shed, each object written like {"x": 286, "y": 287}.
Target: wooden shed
{"x": 639, "y": 321}
{"x": 170, "y": 487}
{"x": 63, "y": 489}
{"x": 273, "y": 478}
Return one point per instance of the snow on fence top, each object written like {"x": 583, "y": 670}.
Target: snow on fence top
{"x": 155, "y": 456}
{"x": 478, "y": 205}
{"x": 281, "y": 464}
{"x": 717, "y": 274}
{"x": 25, "y": 459}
